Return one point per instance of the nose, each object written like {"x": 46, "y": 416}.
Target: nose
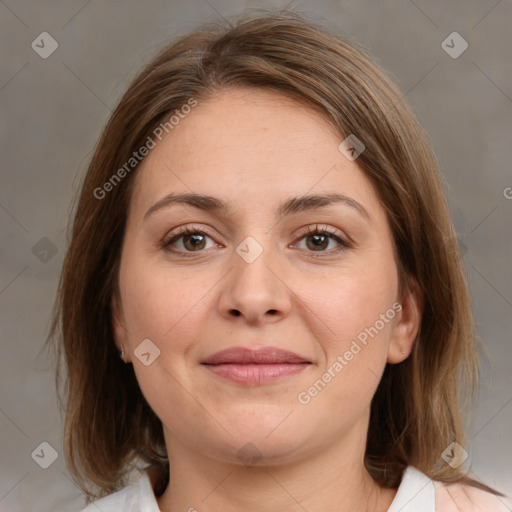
{"x": 256, "y": 290}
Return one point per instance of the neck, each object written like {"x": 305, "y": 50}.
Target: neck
{"x": 332, "y": 480}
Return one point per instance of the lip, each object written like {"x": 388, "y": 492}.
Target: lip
{"x": 255, "y": 367}
{"x": 265, "y": 355}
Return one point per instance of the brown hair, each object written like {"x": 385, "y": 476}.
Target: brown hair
{"x": 415, "y": 413}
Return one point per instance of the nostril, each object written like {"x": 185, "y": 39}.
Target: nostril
{"x": 235, "y": 312}
{"x": 272, "y": 311}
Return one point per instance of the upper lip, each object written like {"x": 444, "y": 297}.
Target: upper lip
{"x": 265, "y": 355}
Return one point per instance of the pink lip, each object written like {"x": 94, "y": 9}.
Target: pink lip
{"x": 254, "y": 367}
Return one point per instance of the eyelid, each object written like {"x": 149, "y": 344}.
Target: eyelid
{"x": 184, "y": 230}
{"x": 322, "y": 228}
{"x": 335, "y": 234}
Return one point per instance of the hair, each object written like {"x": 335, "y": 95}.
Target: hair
{"x": 416, "y": 412}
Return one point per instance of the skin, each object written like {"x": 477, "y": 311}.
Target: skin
{"x": 255, "y": 149}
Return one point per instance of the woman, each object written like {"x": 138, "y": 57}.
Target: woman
{"x": 263, "y": 305}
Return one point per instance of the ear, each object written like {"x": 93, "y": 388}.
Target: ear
{"x": 406, "y": 324}
{"x": 118, "y": 325}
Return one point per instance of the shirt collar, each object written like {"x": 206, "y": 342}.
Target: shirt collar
{"x": 416, "y": 493}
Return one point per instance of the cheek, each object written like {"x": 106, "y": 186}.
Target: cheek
{"x": 161, "y": 305}
{"x": 354, "y": 317}
{"x": 349, "y": 301}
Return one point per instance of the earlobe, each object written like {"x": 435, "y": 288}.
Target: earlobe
{"x": 407, "y": 324}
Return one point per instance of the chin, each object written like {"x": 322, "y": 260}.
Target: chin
{"x": 252, "y": 446}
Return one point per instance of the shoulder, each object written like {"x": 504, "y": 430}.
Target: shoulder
{"x": 459, "y": 496}
{"x": 137, "y": 496}
{"x": 419, "y": 493}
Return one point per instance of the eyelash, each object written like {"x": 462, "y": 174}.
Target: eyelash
{"x": 173, "y": 237}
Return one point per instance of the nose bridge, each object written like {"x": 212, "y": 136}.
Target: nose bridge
{"x": 254, "y": 291}
{"x": 252, "y": 263}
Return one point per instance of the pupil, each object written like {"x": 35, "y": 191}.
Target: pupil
{"x": 319, "y": 241}
{"x": 195, "y": 241}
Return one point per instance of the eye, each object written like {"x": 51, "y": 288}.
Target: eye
{"x": 318, "y": 239}
{"x": 187, "y": 240}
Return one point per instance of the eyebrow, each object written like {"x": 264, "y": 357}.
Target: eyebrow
{"x": 289, "y": 207}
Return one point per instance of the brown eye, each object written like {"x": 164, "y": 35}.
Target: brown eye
{"x": 194, "y": 242}
{"x": 319, "y": 241}
{"x": 187, "y": 241}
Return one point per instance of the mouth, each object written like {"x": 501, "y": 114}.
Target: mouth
{"x": 255, "y": 367}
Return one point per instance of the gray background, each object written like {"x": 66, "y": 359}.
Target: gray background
{"x": 53, "y": 111}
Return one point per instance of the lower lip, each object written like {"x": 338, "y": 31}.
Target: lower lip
{"x": 256, "y": 374}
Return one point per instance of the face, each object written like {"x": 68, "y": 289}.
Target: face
{"x": 260, "y": 266}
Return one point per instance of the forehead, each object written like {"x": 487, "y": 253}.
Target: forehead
{"x": 252, "y": 147}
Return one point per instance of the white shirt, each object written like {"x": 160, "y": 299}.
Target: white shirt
{"x": 416, "y": 493}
